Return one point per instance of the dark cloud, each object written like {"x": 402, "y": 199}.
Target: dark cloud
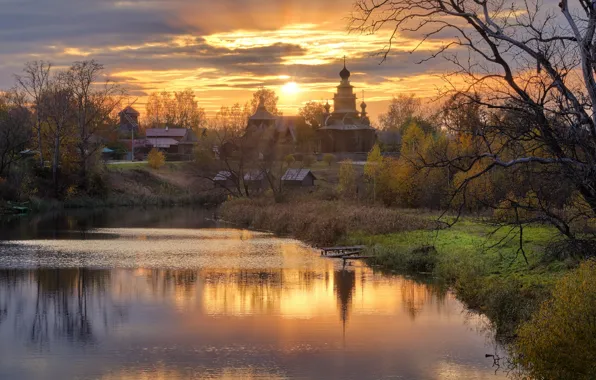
{"x": 170, "y": 35}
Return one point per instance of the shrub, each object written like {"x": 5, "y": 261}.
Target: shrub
{"x": 156, "y": 159}
{"x": 97, "y": 185}
{"x": 559, "y": 341}
{"x": 289, "y": 159}
{"x": 329, "y": 159}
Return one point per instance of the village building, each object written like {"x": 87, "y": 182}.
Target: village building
{"x": 346, "y": 130}
{"x": 129, "y": 120}
{"x": 277, "y": 128}
{"x": 298, "y": 178}
{"x": 256, "y": 179}
{"x": 175, "y": 142}
{"x": 225, "y": 179}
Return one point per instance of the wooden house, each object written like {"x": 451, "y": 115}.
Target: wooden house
{"x": 172, "y": 141}
{"x": 129, "y": 120}
{"x": 256, "y": 179}
{"x": 225, "y": 179}
{"x": 298, "y": 178}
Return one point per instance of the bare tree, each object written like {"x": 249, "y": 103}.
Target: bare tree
{"x": 35, "y": 81}
{"x": 526, "y": 58}
{"x": 15, "y": 128}
{"x": 96, "y": 100}
{"x": 57, "y": 105}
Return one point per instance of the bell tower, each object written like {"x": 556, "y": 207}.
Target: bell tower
{"x": 344, "y": 100}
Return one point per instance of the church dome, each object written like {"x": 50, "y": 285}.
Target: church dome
{"x": 344, "y": 73}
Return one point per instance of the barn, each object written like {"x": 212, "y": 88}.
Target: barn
{"x": 298, "y": 178}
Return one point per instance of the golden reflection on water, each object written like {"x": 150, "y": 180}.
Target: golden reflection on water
{"x": 189, "y": 297}
{"x": 162, "y": 373}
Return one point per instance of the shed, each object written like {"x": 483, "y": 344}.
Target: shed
{"x": 298, "y": 177}
{"x": 256, "y": 179}
{"x": 224, "y": 178}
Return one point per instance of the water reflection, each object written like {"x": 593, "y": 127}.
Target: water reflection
{"x": 220, "y": 304}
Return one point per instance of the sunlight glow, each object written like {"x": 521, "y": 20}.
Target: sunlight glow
{"x": 290, "y": 88}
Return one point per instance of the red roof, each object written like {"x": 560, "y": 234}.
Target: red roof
{"x": 163, "y": 132}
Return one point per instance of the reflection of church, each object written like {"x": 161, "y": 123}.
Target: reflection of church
{"x": 345, "y": 129}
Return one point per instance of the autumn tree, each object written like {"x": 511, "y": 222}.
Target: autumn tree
{"x": 347, "y": 186}
{"x": 178, "y": 109}
{"x": 57, "y": 106}
{"x": 16, "y": 123}
{"x": 95, "y": 103}
{"x": 373, "y": 167}
{"x": 270, "y": 100}
{"x": 528, "y": 58}
{"x": 233, "y": 151}
{"x": 400, "y": 112}
{"x": 558, "y": 342}
{"x": 312, "y": 112}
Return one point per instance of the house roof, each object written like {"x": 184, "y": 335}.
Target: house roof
{"x": 131, "y": 111}
{"x": 161, "y": 142}
{"x": 297, "y": 174}
{"x": 285, "y": 124}
{"x": 346, "y": 127}
{"x": 223, "y": 176}
{"x": 261, "y": 113}
{"x": 255, "y": 175}
{"x": 163, "y": 132}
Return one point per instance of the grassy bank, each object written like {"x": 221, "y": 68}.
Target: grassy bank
{"x": 135, "y": 185}
{"x": 319, "y": 222}
{"x": 485, "y": 268}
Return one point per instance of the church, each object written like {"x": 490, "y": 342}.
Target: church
{"x": 345, "y": 130}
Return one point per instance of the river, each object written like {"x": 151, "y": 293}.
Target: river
{"x": 170, "y": 294}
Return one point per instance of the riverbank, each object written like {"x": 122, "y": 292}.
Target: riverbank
{"x": 484, "y": 267}
{"x": 132, "y": 185}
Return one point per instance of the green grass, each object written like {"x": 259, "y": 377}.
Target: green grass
{"x": 483, "y": 265}
{"x": 142, "y": 165}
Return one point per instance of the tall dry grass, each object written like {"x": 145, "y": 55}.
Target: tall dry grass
{"x": 319, "y": 222}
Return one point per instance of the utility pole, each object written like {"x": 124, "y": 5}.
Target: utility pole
{"x": 132, "y": 135}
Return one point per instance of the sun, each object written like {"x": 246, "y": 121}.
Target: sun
{"x": 290, "y": 88}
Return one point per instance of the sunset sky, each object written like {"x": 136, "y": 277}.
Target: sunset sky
{"x": 223, "y": 50}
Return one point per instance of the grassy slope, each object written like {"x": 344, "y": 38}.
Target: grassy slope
{"x": 136, "y": 184}
{"x": 484, "y": 267}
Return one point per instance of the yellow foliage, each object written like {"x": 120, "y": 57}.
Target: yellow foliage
{"x": 347, "y": 179}
{"x": 373, "y": 162}
{"x": 559, "y": 342}
{"x": 156, "y": 159}
{"x": 71, "y": 192}
{"x": 412, "y": 140}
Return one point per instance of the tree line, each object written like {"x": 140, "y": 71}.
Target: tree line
{"x": 62, "y": 118}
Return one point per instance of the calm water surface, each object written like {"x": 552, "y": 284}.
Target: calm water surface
{"x": 167, "y": 294}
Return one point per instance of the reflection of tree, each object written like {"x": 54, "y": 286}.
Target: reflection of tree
{"x": 415, "y": 295}
{"x": 344, "y": 283}
{"x": 65, "y": 304}
{"x": 164, "y": 280}
{"x": 9, "y": 279}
